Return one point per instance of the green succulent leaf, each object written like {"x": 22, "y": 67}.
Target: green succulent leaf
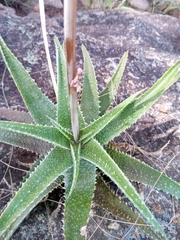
{"x": 90, "y": 97}
{"x": 63, "y": 106}
{"x": 15, "y": 115}
{"x": 81, "y": 118}
{"x": 21, "y": 140}
{"x": 117, "y": 207}
{"x": 75, "y": 153}
{"x": 94, "y": 153}
{"x": 37, "y": 103}
{"x": 37, "y": 186}
{"x": 141, "y": 172}
{"x": 26, "y": 142}
{"x": 132, "y": 112}
{"x": 62, "y": 130}
{"x": 92, "y": 129}
{"x": 108, "y": 94}
{"x": 78, "y": 204}
{"x": 45, "y": 133}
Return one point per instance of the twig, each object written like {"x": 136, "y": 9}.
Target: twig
{"x": 98, "y": 225}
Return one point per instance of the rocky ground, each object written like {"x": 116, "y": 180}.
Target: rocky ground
{"x": 153, "y": 43}
{"x": 54, "y": 8}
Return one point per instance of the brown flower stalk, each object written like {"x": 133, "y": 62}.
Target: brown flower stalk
{"x": 70, "y": 9}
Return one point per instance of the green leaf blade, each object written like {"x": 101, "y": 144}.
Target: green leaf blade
{"x": 108, "y": 94}
{"x": 95, "y": 154}
{"x": 63, "y": 106}
{"x": 26, "y": 142}
{"x": 90, "y": 97}
{"x": 33, "y": 190}
{"x": 45, "y": 133}
{"x": 91, "y": 130}
{"x": 75, "y": 153}
{"x": 16, "y": 116}
{"x": 78, "y": 204}
{"x": 141, "y": 172}
{"x": 132, "y": 112}
{"x": 117, "y": 207}
{"x": 37, "y": 103}
{"x": 62, "y": 130}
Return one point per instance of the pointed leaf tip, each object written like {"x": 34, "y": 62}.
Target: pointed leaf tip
{"x": 108, "y": 94}
{"x": 90, "y": 97}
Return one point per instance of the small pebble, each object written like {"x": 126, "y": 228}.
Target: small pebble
{"x": 114, "y": 226}
{"x": 6, "y": 89}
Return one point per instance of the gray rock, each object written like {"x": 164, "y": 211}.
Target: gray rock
{"x": 153, "y": 45}
{"x": 140, "y": 4}
{"x": 52, "y": 3}
{"x": 6, "y": 10}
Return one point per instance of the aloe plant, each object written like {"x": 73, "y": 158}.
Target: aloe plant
{"x": 77, "y": 160}
{"x": 73, "y": 156}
